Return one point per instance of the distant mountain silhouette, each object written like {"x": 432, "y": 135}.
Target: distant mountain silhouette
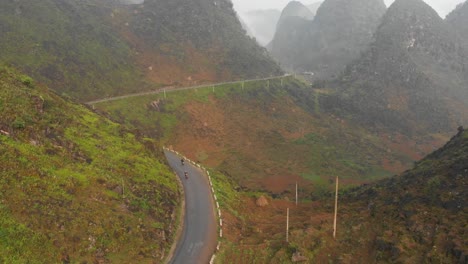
{"x": 262, "y": 24}
{"x": 340, "y": 31}
{"x": 293, "y": 22}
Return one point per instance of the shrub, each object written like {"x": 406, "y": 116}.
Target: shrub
{"x": 19, "y": 123}
{"x": 26, "y": 80}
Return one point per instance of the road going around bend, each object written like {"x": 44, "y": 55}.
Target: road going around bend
{"x": 199, "y": 237}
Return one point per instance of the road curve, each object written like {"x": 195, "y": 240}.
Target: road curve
{"x": 198, "y": 240}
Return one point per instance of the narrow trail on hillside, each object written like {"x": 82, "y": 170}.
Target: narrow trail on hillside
{"x": 172, "y": 89}
{"x": 199, "y": 236}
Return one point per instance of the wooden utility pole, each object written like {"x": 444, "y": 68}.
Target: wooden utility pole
{"x": 336, "y": 208}
{"x": 287, "y": 226}
{"x": 296, "y": 193}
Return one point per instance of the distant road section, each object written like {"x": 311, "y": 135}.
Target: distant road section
{"x": 199, "y": 237}
{"x": 172, "y": 88}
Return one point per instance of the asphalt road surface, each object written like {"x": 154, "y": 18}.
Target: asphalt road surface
{"x": 199, "y": 237}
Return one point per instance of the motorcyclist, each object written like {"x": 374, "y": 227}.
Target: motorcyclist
{"x": 186, "y": 175}
{"x": 182, "y": 161}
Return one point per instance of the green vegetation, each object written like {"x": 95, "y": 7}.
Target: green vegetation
{"x": 69, "y": 45}
{"x": 279, "y": 118}
{"x": 79, "y": 185}
{"x": 95, "y": 49}
{"x": 419, "y": 215}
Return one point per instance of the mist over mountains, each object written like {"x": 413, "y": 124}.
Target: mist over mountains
{"x": 340, "y": 31}
{"x": 414, "y": 72}
{"x": 262, "y": 23}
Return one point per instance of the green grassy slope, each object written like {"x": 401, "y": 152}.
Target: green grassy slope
{"x": 95, "y": 49}
{"x": 265, "y": 133}
{"x": 75, "y": 186}
{"x": 69, "y": 45}
{"x": 421, "y": 215}
{"x": 417, "y": 217}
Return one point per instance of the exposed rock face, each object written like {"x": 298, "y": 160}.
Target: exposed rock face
{"x": 340, "y": 31}
{"x": 261, "y": 202}
{"x": 415, "y": 74}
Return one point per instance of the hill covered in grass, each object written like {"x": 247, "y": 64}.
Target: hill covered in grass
{"x": 95, "y": 49}
{"x": 69, "y": 45}
{"x": 417, "y": 217}
{"x": 269, "y": 134}
{"x": 421, "y": 215}
{"x": 76, "y": 187}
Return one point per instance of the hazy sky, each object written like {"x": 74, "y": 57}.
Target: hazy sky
{"x": 441, "y": 6}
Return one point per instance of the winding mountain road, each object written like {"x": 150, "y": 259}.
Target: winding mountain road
{"x": 199, "y": 236}
{"x": 172, "y": 88}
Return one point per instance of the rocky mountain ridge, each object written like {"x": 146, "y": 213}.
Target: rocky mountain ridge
{"x": 415, "y": 72}
{"x": 340, "y": 31}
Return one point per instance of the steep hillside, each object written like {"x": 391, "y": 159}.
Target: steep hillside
{"x": 413, "y": 77}
{"x": 201, "y": 38}
{"x": 76, "y": 187}
{"x": 94, "y": 49}
{"x": 268, "y": 135}
{"x": 69, "y": 45}
{"x": 340, "y": 31}
{"x": 420, "y": 216}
